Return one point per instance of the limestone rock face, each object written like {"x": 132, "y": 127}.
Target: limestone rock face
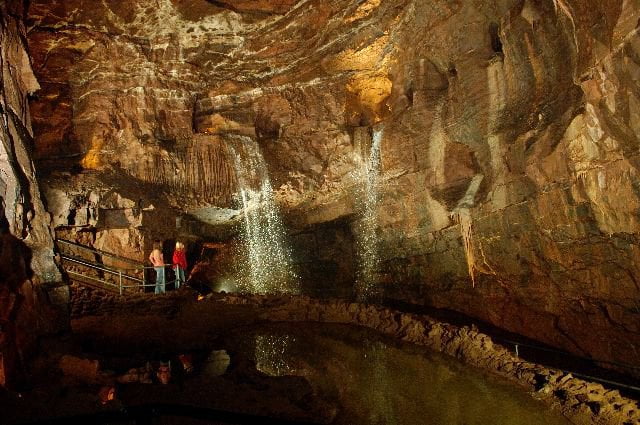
{"x": 31, "y": 302}
{"x": 20, "y": 197}
{"x": 508, "y": 130}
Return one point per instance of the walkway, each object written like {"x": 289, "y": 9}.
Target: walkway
{"x": 103, "y": 270}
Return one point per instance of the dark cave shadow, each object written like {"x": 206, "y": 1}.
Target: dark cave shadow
{"x": 15, "y": 271}
{"x": 15, "y": 255}
{"x": 15, "y": 267}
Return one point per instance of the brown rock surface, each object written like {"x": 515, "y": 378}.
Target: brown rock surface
{"x": 517, "y": 118}
{"x": 31, "y": 301}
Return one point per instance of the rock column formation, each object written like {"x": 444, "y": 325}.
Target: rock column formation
{"x": 509, "y": 186}
{"x": 28, "y": 274}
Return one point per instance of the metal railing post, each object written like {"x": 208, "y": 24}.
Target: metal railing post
{"x": 120, "y": 281}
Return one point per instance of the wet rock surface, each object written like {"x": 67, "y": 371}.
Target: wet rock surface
{"x": 509, "y": 138}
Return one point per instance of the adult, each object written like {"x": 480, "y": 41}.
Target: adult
{"x": 157, "y": 259}
{"x": 179, "y": 263}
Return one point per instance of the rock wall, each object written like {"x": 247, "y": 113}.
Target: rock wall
{"x": 508, "y": 182}
{"x": 543, "y": 126}
{"x": 31, "y": 300}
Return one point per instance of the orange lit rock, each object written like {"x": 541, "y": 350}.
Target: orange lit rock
{"x": 370, "y": 94}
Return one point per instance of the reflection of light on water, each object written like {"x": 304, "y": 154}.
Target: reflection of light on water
{"x": 217, "y": 363}
{"x": 227, "y": 285}
{"x": 373, "y": 383}
{"x": 270, "y": 354}
{"x": 382, "y": 409}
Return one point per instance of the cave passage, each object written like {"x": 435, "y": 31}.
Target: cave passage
{"x": 458, "y": 175}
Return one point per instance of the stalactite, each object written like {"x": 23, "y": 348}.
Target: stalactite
{"x": 463, "y": 217}
{"x": 200, "y": 170}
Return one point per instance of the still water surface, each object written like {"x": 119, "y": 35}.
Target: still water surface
{"x": 378, "y": 381}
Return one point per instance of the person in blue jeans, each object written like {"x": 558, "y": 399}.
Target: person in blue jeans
{"x": 157, "y": 259}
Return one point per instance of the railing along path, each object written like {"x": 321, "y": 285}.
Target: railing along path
{"x": 122, "y": 278}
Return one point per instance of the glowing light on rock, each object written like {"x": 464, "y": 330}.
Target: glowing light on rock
{"x": 364, "y": 10}
{"x": 268, "y": 265}
{"x": 371, "y": 93}
{"x": 367, "y": 196}
{"x": 91, "y": 160}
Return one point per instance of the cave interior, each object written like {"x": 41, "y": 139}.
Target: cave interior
{"x": 468, "y": 171}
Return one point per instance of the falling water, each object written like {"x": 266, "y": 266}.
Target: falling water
{"x": 367, "y": 197}
{"x": 267, "y": 266}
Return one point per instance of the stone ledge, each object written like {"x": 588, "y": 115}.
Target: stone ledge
{"x": 581, "y": 402}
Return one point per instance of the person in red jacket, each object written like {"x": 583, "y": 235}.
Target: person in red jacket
{"x": 179, "y": 263}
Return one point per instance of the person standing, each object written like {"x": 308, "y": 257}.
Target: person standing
{"x": 179, "y": 263}
{"x": 157, "y": 259}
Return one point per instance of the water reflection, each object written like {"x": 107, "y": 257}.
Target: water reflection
{"x": 376, "y": 365}
{"x": 216, "y": 363}
{"x": 271, "y": 354}
{"x": 375, "y": 381}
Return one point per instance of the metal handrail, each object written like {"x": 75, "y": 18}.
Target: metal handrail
{"x": 84, "y": 276}
{"x": 120, "y": 286}
{"x": 468, "y": 321}
{"x": 97, "y": 267}
{"x": 517, "y": 344}
{"x": 140, "y": 283}
{"x": 101, "y": 252}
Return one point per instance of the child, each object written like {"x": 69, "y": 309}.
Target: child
{"x": 157, "y": 259}
{"x": 179, "y": 263}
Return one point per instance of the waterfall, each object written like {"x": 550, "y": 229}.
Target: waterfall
{"x": 367, "y": 197}
{"x": 267, "y": 267}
